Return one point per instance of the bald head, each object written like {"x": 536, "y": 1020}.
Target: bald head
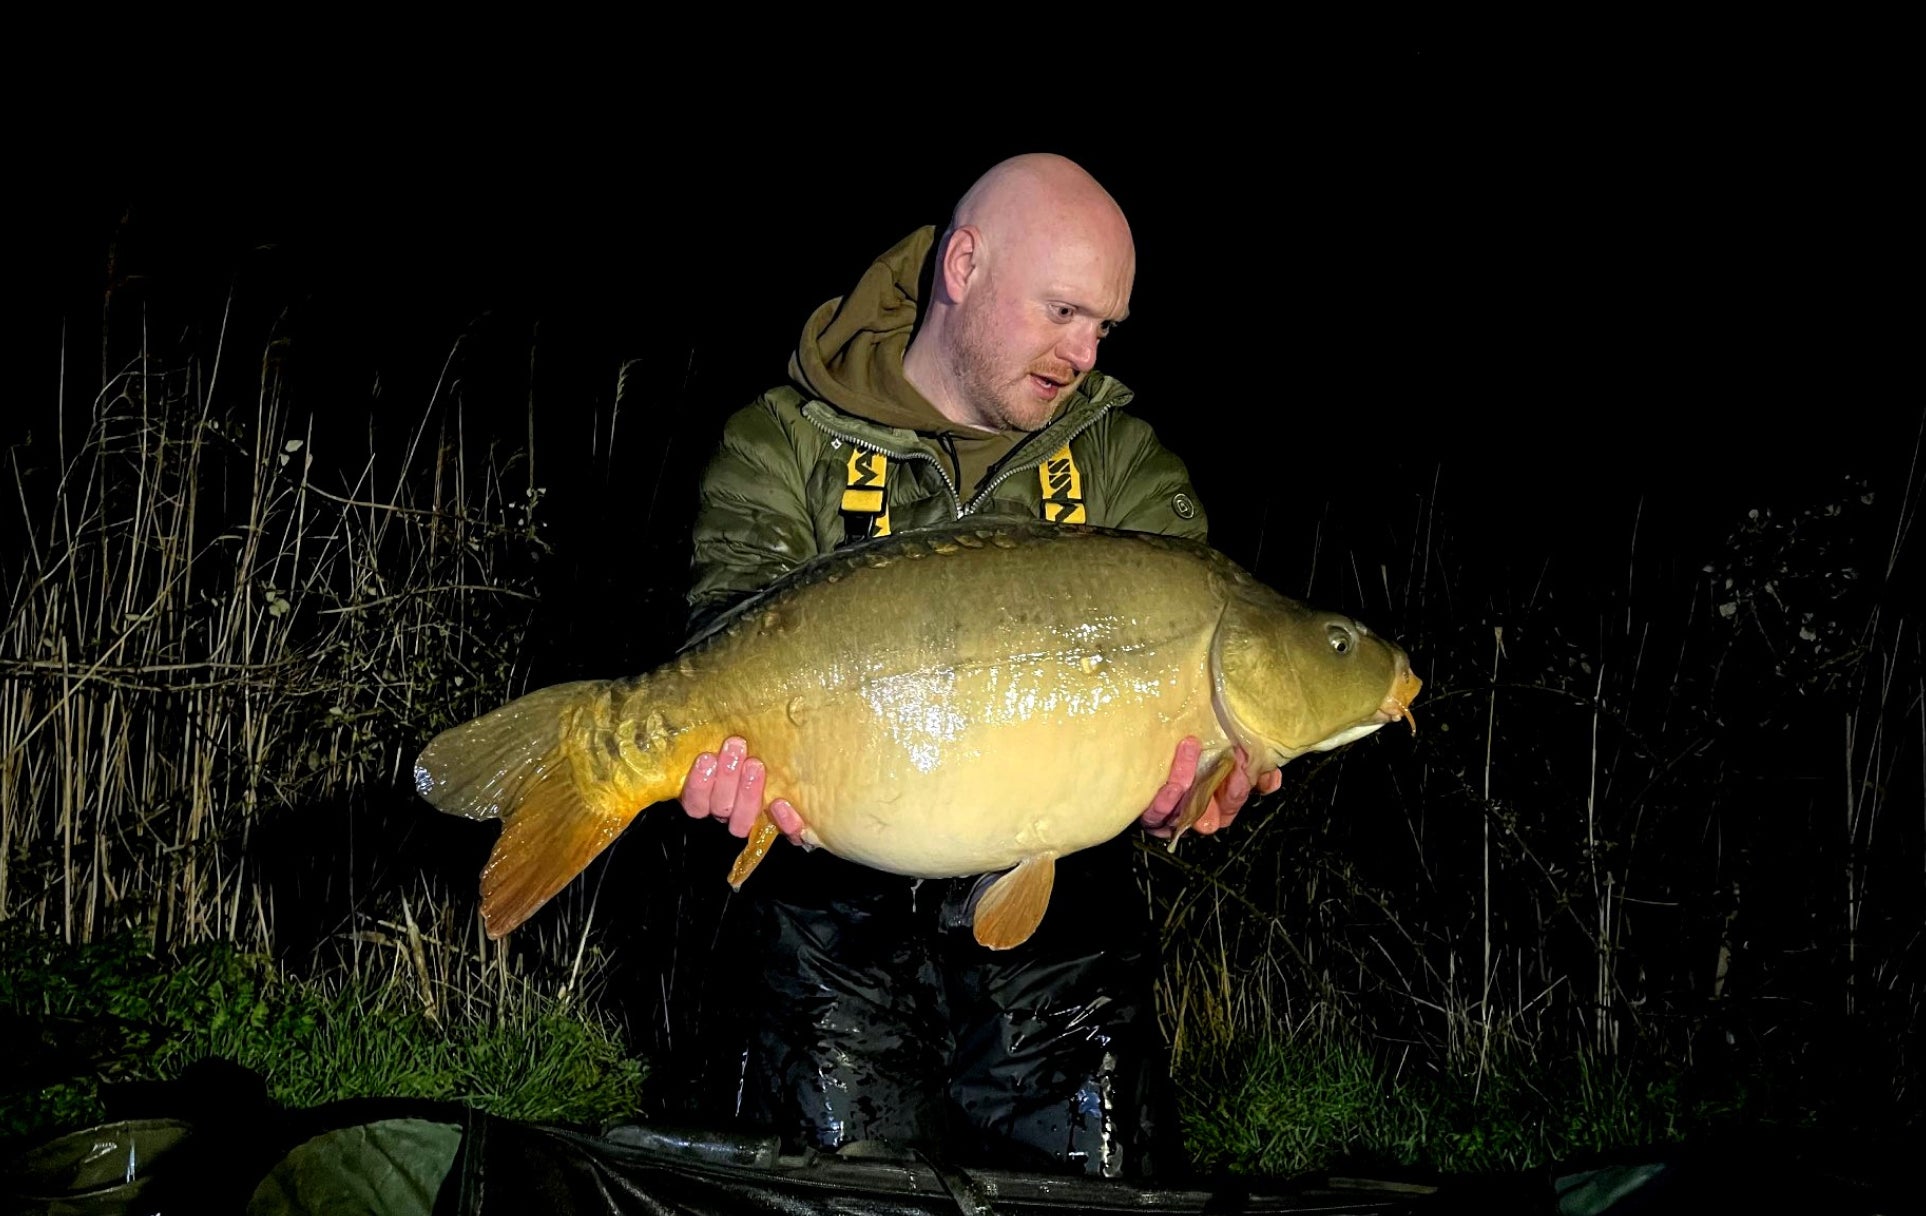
{"x": 1034, "y": 271}
{"x": 1047, "y": 197}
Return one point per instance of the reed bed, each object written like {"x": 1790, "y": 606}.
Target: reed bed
{"x": 1658, "y": 849}
{"x": 1653, "y": 862}
{"x": 230, "y": 626}
{"x": 217, "y": 617}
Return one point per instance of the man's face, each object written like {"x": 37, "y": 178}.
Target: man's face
{"x": 1027, "y": 334}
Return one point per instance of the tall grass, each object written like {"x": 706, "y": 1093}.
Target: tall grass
{"x": 220, "y": 613}
{"x": 1664, "y": 828}
{"x": 231, "y": 624}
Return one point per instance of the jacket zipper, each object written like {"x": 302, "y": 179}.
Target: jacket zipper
{"x": 955, "y": 497}
{"x": 1011, "y": 470}
{"x": 867, "y": 446}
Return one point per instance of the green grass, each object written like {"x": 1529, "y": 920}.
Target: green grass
{"x": 111, "y": 1012}
{"x": 1285, "y": 1107}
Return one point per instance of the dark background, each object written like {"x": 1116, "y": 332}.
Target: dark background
{"x": 1540, "y": 280}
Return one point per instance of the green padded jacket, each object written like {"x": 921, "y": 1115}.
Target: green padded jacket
{"x": 771, "y": 496}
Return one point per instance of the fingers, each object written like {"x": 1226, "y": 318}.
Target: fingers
{"x": 698, "y": 785}
{"x": 1236, "y": 791}
{"x": 1183, "y": 766}
{"x": 747, "y": 802}
{"x": 1162, "y": 809}
{"x": 710, "y": 787}
{"x": 722, "y": 794}
{"x": 1220, "y": 812}
{"x": 715, "y": 780}
{"x": 729, "y": 784}
{"x": 783, "y": 812}
{"x": 1229, "y": 798}
{"x": 1163, "y": 806}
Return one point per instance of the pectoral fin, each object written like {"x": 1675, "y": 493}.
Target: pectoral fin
{"x": 754, "y": 849}
{"x": 1010, "y": 911}
{"x": 1201, "y": 792}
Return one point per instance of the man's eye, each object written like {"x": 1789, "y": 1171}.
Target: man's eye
{"x": 1062, "y": 312}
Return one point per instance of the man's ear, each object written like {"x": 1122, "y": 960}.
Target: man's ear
{"x": 960, "y": 263}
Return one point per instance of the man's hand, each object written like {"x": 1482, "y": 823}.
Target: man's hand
{"x": 728, "y": 785}
{"x": 1159, "y": 818}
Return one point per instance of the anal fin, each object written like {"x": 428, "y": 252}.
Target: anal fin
{"x": 1202, "y": 791}
{"x": 754, "y": 849}
{"x": 1013, "y": 906}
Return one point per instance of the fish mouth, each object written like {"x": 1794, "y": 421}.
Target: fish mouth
{"x": 1397, "y": 702}
{"x": 1395, "y": 706}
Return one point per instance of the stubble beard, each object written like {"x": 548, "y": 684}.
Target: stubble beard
{"x": 1008, "y": 406}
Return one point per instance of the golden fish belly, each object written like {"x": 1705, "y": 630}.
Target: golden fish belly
{"x": 945, "y": 771}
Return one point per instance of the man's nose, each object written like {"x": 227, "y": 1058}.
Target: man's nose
{"x": 1079, "y": 347}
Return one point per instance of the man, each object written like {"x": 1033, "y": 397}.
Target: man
{"x": 966, "y": 363}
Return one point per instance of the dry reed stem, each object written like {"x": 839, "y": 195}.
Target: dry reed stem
{"x": 201, "y": 634}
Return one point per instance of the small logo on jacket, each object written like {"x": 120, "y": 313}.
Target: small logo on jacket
{"x": 1185, "y": 508}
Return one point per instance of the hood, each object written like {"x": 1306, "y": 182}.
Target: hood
{"x": 851, "y": 353}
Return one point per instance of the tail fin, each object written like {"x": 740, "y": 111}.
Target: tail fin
{"x": 515, "y": 764}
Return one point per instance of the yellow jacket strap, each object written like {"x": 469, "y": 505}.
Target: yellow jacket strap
{"x": 1062, "y": 488}
{"x": 865, "y": 500}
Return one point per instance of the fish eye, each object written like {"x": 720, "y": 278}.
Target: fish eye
{"x": 1341, "y": 639}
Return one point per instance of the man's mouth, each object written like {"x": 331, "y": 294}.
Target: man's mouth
{"x": 1049, "y": 385}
